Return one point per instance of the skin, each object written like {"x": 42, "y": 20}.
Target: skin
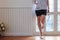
{"x": 41, "y": 19}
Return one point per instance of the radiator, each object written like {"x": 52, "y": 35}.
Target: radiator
{"x": 18, "y": 21}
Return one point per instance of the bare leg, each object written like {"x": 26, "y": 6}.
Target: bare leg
{"x": 40, "y": 28}
{"x": 42, "y": 19}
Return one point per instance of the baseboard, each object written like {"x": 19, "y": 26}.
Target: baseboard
{"x": 17, "y": 34}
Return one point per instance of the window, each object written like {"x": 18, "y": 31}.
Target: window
{"x": 50, "y": 23}
{"x": 51, "y": 5}
{"x": 59, "y": 22}
{"x": 58, "y": 5}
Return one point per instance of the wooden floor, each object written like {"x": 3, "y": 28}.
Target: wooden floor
{"x": 31, "y": 38}
{"x": 16, "y": 38}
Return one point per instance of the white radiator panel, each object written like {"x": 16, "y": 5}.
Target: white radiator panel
{"x": 18, "y": 21}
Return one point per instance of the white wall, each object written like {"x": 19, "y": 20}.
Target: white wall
{"x": 17, "y": 16}
{"x": 15, "y": 3}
